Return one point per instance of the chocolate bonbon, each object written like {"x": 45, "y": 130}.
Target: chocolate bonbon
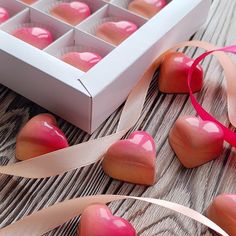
{"x": 29, "y": 1}
{"x": 222, "y": 211}
{"x": 174, "y": 71}
{"x": 39, "y": 136}
{"x": 97, "y": 220}
{"x": 71, "y": 12}
{"x": 115, "y": 32}
{"x": 34, "y": 35}
{"x": 4, "y": 14}
{"x": 132, "y": 159}
{"x": 195, "y": 141}
{"x": 146, "y": 8}
{"x": 81, "y": 60}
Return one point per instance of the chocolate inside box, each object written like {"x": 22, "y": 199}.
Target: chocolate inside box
{"x": 82, "y": 34}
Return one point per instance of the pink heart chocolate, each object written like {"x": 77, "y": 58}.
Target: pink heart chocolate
{"x": 39, "y": 136}
{"x": 174, "y": 73}
{"x": 116, "y": 32}
{"x": 146, "y": 8}
{"x": 222, "y": 211}
{"x": 72, "y": 12}
{"x": 36, "y": 36}
{"x": 195, "y": 141}
{"x": 97, "y": 220}
{"x": 29, "y": 1}
{"x": 82, "y": 60}
{"x": 4, "y": 15}
{"x": 132, "y": 159}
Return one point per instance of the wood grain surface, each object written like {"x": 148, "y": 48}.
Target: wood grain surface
{"x": 193, "y": 188}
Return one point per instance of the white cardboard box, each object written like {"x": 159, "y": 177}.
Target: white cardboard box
{"x": 87, "y": 99}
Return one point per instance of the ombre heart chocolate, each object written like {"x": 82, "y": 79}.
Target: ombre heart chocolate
{"x": 39, "y": 136}
{"x": 4, "y": 15}
{"x": 97, "y": 220}
{"x": 195, "y": 141}
{"x": 116, "y": 32}
{"x": 82, "y": 60}
{"x": 222, "y": 211}
{"x": 72, "y": 12}
{"x": 36, "y": 36}
{"x": 132, "y": 159}
{"x": 174, "y": 74}
{"x": 29, "y": 1}
{"x": 146, "y": 8}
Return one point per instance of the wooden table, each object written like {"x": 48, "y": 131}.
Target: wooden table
{"x": 193, "y": 188}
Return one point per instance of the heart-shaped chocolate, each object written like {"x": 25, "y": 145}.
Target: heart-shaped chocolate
{"x": 71, "y": 12}
{"x": 82, "y": 60}
{"x": 222, "y": 211}
{"x": 174, "y": 74}
{"x": 29, "y": 1}
{"x": 97, "y": 220}
{"x": 132, "y": 159}
{"x": 36, "y": 36}
{"x": 4, "y": 15}
{"x": 146, "y": 8}
{"x": 39, "y": 136}
{"x": 115, "y": 32}
{"x": 195, "y": 141}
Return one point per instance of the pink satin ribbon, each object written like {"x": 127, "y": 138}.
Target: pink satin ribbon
{"x": 229, "y": 135}
{"x": 84, "y": 154}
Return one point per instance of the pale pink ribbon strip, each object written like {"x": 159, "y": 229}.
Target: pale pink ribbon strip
{"x": 84, "y": 154}
{"x": 49, "y": 218}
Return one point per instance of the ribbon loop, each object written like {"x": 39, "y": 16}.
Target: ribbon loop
{"x": 229, "y": 135}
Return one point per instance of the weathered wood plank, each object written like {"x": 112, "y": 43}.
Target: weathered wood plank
{"x": 194, "y": 188}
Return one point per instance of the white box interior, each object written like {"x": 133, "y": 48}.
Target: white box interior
{"x": 109, "y": 11}
{"x": 32, "y": 16}
{"x": 77, "y": 38}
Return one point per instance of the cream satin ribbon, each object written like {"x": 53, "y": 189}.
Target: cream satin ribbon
{"x": 47, "y": 219}
{"x": 80, "y": 155}
{"x": 84, "y": 154}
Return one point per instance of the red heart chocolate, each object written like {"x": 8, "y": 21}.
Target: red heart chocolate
{"x": 132, "y": 159}
{"x": 39, "y": 136}
{"x": 195, "y": 141}
{"x": 97, "y": 220}
{"x": 174, "y": 74}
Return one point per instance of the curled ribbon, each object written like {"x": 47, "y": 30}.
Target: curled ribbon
{"x": 87, "y": 153}
{"x": 84, "y": 154}
{"x": 229, "y": 135}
